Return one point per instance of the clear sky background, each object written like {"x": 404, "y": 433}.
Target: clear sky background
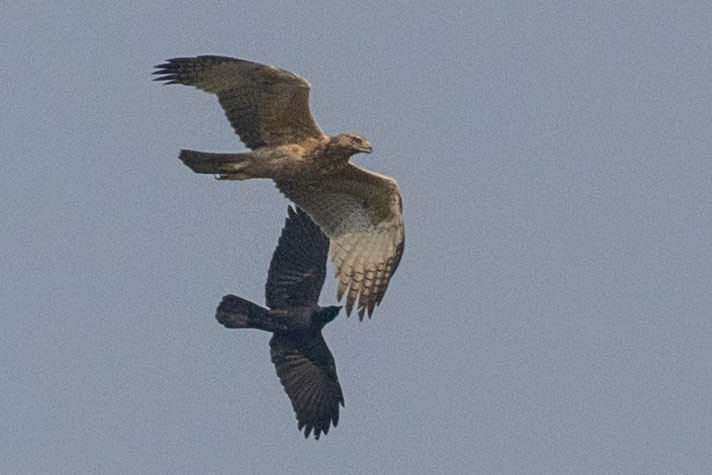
{"x": 551, "y": 312}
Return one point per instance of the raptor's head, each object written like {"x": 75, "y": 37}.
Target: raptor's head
{"x": 351, "y": 143}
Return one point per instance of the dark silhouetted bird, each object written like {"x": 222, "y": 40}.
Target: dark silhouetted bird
{"x": 304, "y": 363}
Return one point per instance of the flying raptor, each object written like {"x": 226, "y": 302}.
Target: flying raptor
{"x": 360, "y": 211}
{"x": 304, "y": 363}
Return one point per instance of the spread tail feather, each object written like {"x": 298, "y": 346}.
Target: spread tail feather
{"x": 236, "y": 312}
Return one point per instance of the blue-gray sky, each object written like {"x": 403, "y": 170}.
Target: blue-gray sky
{"x": 552, "y": 309}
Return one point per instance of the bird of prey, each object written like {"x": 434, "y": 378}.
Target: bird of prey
{"x": 360, "y": 211}
{"x": 304, "y": 363}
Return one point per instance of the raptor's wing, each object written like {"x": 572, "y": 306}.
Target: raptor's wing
{"x": 361, "y": 213}
{"x": 264, "y": 104}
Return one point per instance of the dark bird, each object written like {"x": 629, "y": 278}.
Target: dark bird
{"x": 268, "y": 107}
{"x": 304, "y": 363}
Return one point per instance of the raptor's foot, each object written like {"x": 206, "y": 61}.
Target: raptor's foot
{"x": 232, "y": 176}
{"x": 234, "y": 171}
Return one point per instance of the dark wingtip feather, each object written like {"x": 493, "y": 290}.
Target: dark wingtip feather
{"x": 349, "y": 305}
{"x": 167, "y": 79}
{"x": 169, "y": 70}
{"x": 360, "y": 314}
{"x": 372, "y": 306}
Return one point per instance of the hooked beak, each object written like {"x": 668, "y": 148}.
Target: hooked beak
{"x": 367, "y": 147}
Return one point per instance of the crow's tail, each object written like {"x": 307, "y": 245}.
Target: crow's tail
{"x": 236, "y": 312}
